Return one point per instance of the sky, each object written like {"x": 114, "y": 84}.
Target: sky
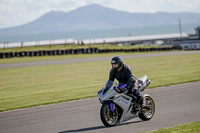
{"x": 19, "y": 12}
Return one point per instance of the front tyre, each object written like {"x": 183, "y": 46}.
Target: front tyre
{"x": 148, "y": 110}
{"x": 109, "y": 118}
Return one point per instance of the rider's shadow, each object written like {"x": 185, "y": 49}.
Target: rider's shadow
{"x": 96, "y": 128}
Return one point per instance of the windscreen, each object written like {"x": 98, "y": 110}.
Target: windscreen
{"x": 107, "y": 86}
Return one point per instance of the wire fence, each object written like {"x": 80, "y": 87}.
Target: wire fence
{"x": 36, "y": 43}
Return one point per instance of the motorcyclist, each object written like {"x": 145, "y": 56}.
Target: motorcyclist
{"x": 124, "y": 75}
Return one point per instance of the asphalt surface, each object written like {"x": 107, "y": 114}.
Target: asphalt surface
{"x": 66, "y": 61}
{"x": 175, "y": 104}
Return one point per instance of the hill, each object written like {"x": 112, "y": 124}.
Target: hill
{"x": 96, "y": 17}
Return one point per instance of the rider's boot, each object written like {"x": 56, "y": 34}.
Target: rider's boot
{"x": 136, "y": 106}
{"x": 137, "y": 101}
{"x": 139, "y": 97}
{"x": 133, "y": 103}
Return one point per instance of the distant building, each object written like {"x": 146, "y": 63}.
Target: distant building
{"x": 198, "y": 31}
{"x": 190, "y": 43}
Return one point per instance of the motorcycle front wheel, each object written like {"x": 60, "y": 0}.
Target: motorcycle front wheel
{"x": 109, "y": 118}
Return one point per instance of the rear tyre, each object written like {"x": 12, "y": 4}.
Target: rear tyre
{"x": 148, "y": 110}
{"x": 108, "y": 117}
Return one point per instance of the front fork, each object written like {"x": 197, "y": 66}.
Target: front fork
{"x": 112, "y": 108}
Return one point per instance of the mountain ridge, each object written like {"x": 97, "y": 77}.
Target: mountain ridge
{"x": 96, "y": 17}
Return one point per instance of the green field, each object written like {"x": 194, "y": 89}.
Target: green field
{"x": 183, "y": 128}
{"x": 33, "y": 86}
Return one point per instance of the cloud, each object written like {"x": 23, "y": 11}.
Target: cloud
{"x": 156, "y": 5}
{"x": 17, "y": 12}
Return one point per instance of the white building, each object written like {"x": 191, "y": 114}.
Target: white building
{"x": 191, "y": 43}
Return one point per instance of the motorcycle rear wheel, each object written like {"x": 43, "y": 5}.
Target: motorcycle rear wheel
{"x": 108, "y": 117}
{"x": 148, "y": 111}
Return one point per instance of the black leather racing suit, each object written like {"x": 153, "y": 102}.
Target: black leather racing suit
{"x": 125, "y": 76}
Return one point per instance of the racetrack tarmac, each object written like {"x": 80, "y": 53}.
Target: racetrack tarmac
{"x": 66, "y": 61}
{"x": 175, "y": 104}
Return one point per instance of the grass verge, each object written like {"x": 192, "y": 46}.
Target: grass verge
{"x": 73, "y": 46}
{"x": 183, "y": 128}
{"x": 60, "y": 57}
{"x": 33, "y": 86}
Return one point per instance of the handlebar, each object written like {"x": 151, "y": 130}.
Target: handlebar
{"x": 118, "y": 89}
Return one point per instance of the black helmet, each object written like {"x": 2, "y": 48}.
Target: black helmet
{"x": 117, "y": 60}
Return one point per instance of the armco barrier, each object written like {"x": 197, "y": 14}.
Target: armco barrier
{"x": 40, "y": 53}
{"x": 2, "y": 55}
{"x": 21, "y": 54}
{"x": 16, "y": 54}
{"x": 11, "y": 54}
{"x": 26, "y": 53}
{"x": 80, "y": 51}
{"x": 7, "y": 55}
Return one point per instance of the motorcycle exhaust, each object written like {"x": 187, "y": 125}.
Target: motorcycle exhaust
{"x": 148, "y": 82}
{"x": 144, "y": 87}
